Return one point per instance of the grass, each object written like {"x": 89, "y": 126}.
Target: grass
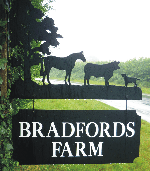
{"x": 142, "y": 163}
{"x": 68, "y": 104}
{"x": 145, "y": 90}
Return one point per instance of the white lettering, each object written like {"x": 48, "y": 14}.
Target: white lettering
{"x": 80, "y": 149}
{"x": 104, "y": 130}
{"x": 94, "y": 150}
{"x": 78, "y": 123}
{"x": 39, "y": 130}
{"x": 87, "y": 129}
{"x": 115, "y": 129}
{"x": 130, "y": 129}
{"x": 26, "y": 129}
{"x": 64, "y": 129}
{"x": 56, "y": 149}
{"x": 68, "y": 150}
{"x": 53, "y": 128}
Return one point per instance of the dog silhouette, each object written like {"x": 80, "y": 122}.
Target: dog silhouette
{"x": 129, "y": 80}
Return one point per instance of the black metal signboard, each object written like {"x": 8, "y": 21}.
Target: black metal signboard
{"x": 76, "y": 136}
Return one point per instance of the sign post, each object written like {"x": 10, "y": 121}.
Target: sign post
{"x": 76, "y": 137}
{"x": 54, "y": 137}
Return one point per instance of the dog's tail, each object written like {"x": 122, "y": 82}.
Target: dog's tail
{"x": 123, "y": 75}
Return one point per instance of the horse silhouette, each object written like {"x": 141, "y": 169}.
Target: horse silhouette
{"x": 105, "y": 70}
{"x": 129, "y": 80}
{"x": 61, "y": 63}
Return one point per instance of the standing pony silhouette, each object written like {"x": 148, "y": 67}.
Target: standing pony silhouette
{"x": 61, "y": 63}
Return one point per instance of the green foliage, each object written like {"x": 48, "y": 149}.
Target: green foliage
{"x": 35, "y": 44}
{"x": 39, "y": 4}
{"x": 2, "y": 32}
{"x": 2, "y": 63}
{"x": 3, "y": 23}
{"x": 2, "y": 66}
{"x": 9, "y": 108}
{"x": 35, "y": 71}
{"x": 135, "y": 68}
{"x": 6, "y": 148}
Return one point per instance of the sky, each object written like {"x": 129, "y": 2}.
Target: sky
{"x": 105, "y": 30}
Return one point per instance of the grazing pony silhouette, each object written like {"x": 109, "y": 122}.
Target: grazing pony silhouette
{"x": 61, "y": 63}
{"x": 129, "y": 80}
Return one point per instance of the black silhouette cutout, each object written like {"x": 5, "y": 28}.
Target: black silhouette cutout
{"x": 61, "y": 63}
{"x": 105, "y": 70}
{"x": 129, "y": 80}
{"x": 24, "y": 28}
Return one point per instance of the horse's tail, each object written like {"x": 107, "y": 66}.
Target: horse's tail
{"x": 85, "y": 69}
{"x": 42, "y": 72}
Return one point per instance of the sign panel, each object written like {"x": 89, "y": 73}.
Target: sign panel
{"x": 76, "y": 136}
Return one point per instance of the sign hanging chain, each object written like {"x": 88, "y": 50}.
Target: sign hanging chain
{"x": 33, "y": 105}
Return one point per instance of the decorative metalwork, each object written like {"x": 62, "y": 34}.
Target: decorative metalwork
{"x": 105, "y": 70}
{"x": 129, "y": 80}
{"x": 66, "y": 63}
{"x": 24, "y": 28}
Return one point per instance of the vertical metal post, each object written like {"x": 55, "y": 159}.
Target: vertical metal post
{"x": 33, "y": 105}
{"x": 126, "y": 96}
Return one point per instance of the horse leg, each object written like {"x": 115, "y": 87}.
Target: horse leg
{"x": 43, "y": 78}
{"x": 69, "y": 78}
{"x": 67, "y": 74}
{"x": 85, "y": 78}
{"x": 88, "y": 80}
{"x": 65, "y": 79}
{"x": 48, "y": 76}
{"x": 44, "y": 74}
{"x": 106, "y": 82}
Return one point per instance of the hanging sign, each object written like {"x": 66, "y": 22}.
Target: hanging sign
{"x": 76, "y": 136}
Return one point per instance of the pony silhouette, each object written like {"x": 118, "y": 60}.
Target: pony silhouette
{"x": 61, "y": 63}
